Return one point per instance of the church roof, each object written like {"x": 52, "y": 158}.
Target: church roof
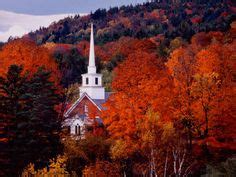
{"x": 97, "y": 102}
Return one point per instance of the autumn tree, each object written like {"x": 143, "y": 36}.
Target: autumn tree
{"x": 203, "y": 89}
{"x": 213, "y": 91}
{"x": 182, "y": 66}
{"x": 139, "y": 81}
{"x": 85, "y": 152}
{"x": 26, "y": 53}
{"x": 127, "y": 87}
{"x": 56, "y": 166}
{"x": 103, "y": 169}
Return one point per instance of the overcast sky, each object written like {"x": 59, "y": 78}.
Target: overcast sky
{"x": 18, "y": 17}
{"x": 45, "y": 7}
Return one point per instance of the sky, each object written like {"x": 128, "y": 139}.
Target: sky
{"x": 18, "y": 17}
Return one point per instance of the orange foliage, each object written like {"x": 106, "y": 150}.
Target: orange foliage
{"x": 195, "y": 93}
{"x": 27, "y": 53}
{"x": 83, "y": 48}
{"x": 52, "y": 47}
{"x": 101, "y": 52}
{"x": 102, "y": 169}
{"x": 204, "y": 90}
{"x": 140, "y": 83}
{"x": 125, "y": 21}
{"x": 124, "y": 46}
{"x": 152, "y": 15}
{"x": 216, "y": 90}
{"x": 182, "y": 66}
{"x": 203, "y": 39}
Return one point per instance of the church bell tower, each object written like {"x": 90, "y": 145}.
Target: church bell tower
{"x": 92, "y": 81}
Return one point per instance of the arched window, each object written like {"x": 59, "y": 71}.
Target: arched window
{"x": 77, "y": 130}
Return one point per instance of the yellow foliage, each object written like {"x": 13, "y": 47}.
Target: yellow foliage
{"x": 119, "y": 149}
{"x": 57, "y": 168}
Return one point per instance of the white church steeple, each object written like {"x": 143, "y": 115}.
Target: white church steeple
{"x": 91, "y": 66}
{"x": 91, "y": 81}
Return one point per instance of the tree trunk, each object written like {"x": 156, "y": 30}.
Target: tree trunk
{"x": 206, "y": 120}
{"x": 165, "y": 170}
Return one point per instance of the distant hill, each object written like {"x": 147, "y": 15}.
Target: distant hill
{"x": 176, "y": 18}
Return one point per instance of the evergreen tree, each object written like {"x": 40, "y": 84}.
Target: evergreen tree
{"x": 11, "y": 108}
{"x": 30, "y": 128}
{"x": 43, "y": 118}
{"x": 71, "y": 65}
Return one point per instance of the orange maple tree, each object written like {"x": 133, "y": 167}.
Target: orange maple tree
{"x": 25, "y": 52}
{"x": 214, "y": 91}
{"x": 182, "y": 67}
{"x": 204, "y": 89}
{"x": 140, "y": 84}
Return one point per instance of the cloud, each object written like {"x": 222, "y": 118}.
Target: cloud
{"x": 16, "y": 25}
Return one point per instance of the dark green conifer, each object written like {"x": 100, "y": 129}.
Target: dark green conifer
{"x": 29, "y": 122}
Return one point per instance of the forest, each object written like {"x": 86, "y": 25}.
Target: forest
{"x": 170, "y": 66}
{"x": 170, "y": 18}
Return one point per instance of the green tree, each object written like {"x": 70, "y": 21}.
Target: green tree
{"x": 31, "y": 128}
{"x": 11, "y": 110}
{"x": 71, "y": 64}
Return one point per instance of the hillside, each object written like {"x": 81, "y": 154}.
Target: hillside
{"x": 183, "y": 19}
{"x": 170, "y": 70}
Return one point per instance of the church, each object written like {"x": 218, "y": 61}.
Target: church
{"x": 85, "y": 112}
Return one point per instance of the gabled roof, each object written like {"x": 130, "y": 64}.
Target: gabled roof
{"x": 78, "y": 101}
{"x": 98, "y": 103}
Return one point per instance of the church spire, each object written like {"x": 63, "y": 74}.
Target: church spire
{"x": 92, "y": 81}
{"x": 91, "y": 66}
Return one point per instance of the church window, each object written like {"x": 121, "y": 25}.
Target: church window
{"x": 87, "y": 81}
{"x": 96, "y": 81}
{"x": 77, "y": 130}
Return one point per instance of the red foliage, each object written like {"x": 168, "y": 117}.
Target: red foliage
{"x": 188, "y": 11}
{"x": 27, "y": 53}
{"x": 140, "y": 83}
{"x": 195, "y": 20}
{"x": 83, "y": 48}
{"x": 204, "y": 88}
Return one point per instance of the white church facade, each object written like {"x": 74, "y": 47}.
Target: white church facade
{"x": 85, "y": 112}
